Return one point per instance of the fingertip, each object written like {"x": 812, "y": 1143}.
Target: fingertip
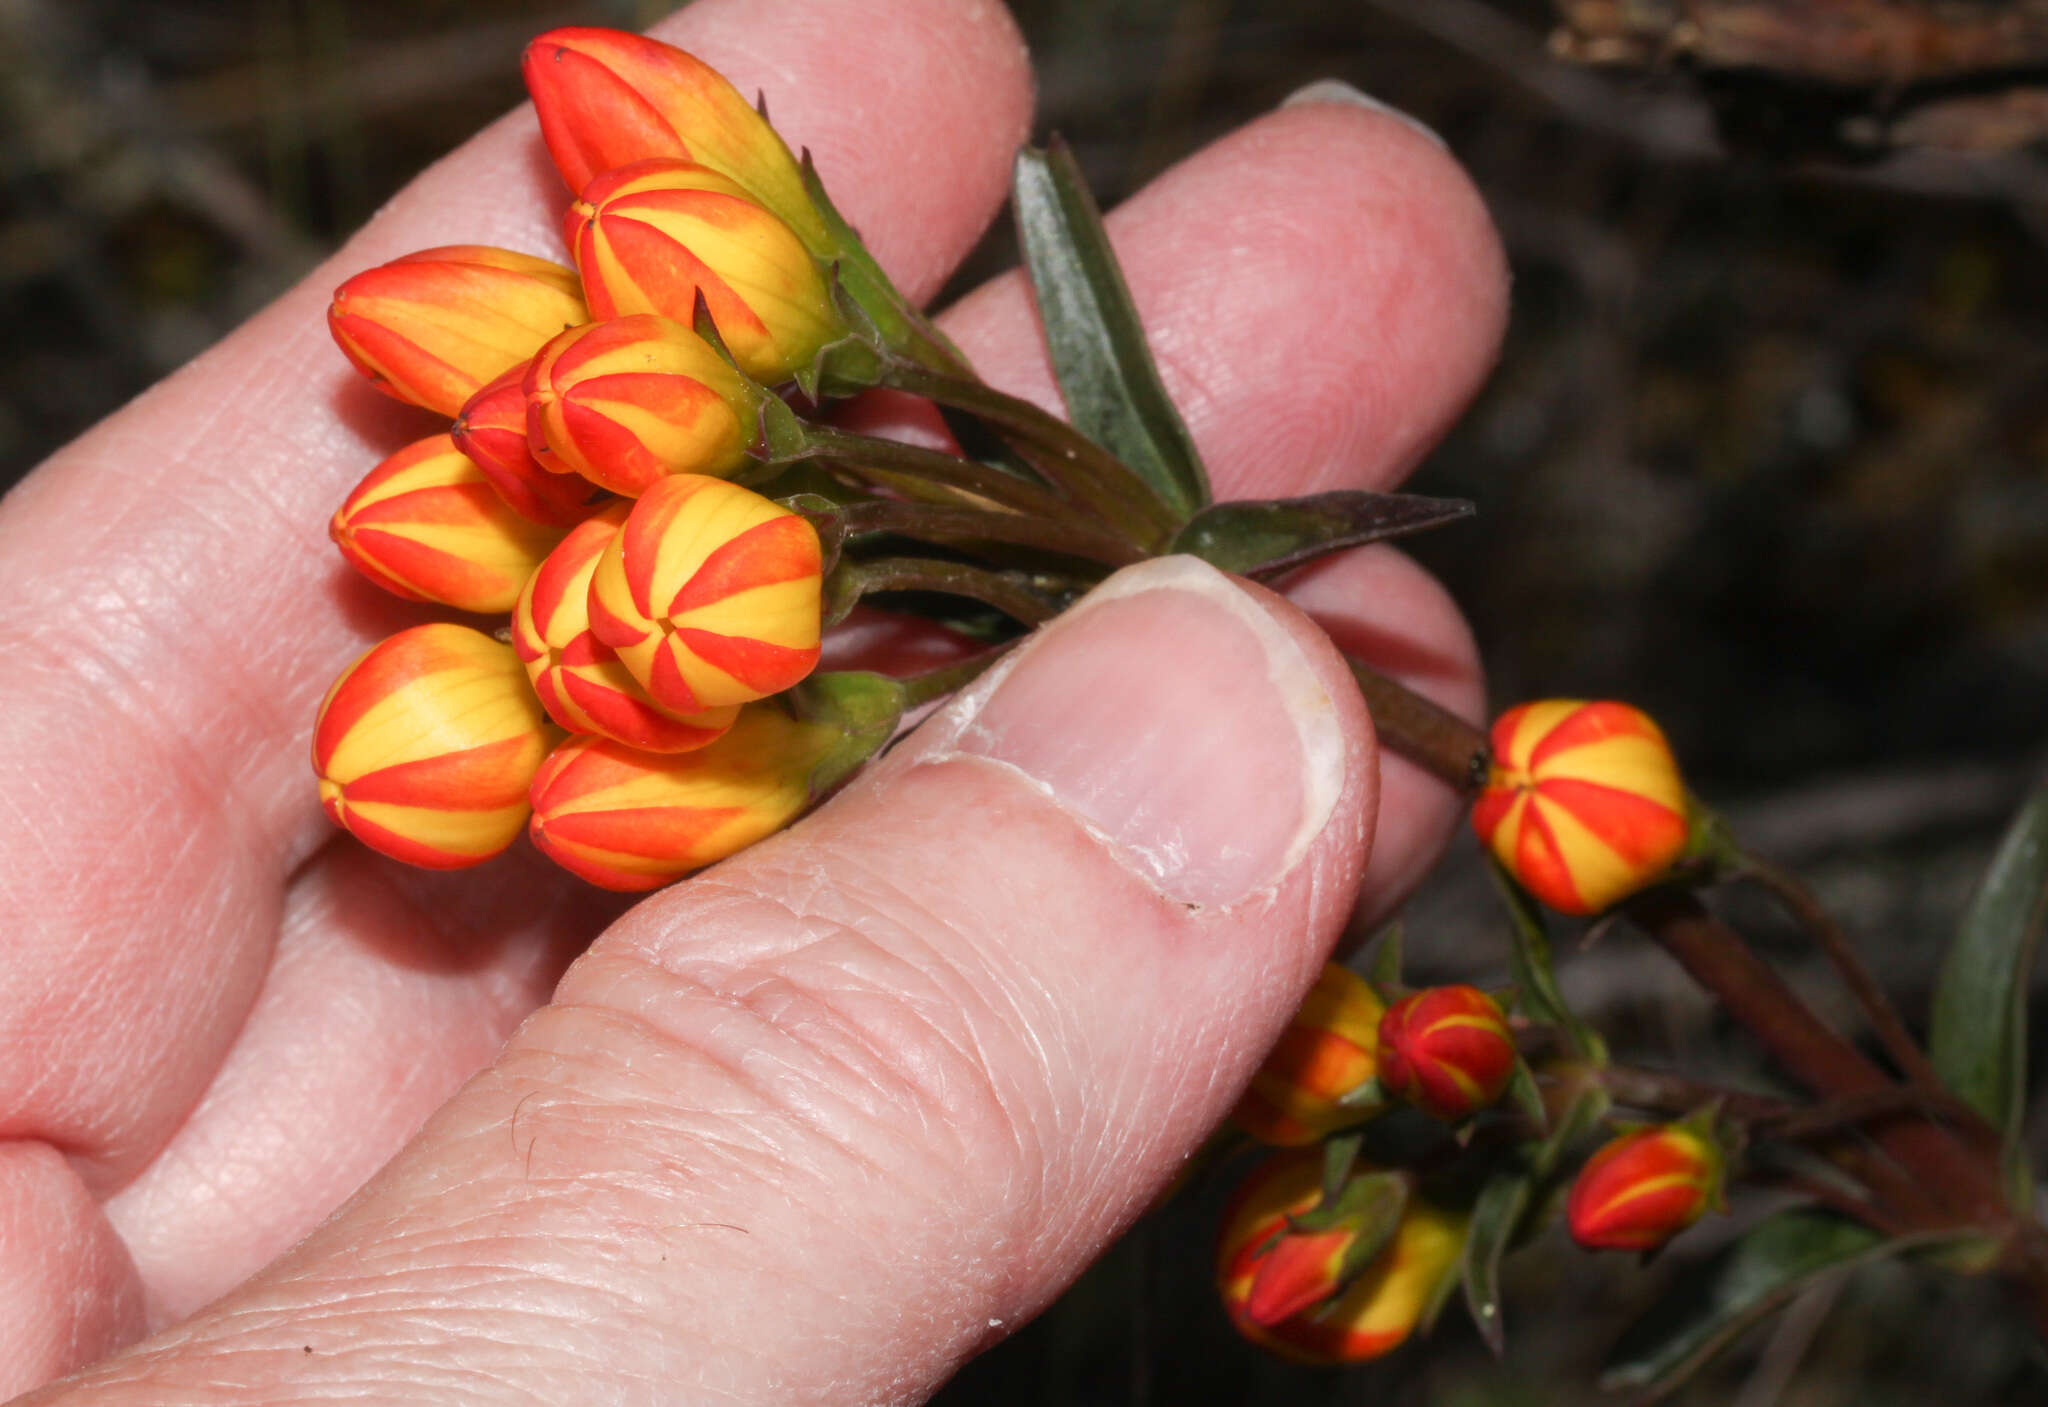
{"x": 1378, "y": 606}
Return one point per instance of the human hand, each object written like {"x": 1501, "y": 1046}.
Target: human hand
{"x": 819, "y": 1123}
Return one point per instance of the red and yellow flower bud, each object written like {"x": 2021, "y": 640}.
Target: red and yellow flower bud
{"x": 1644, "y": 1187}
{"x": 627, "y": 402}
{"x": 631, "y": 820}
{"x": 1328, "y": 1051}
{"x": 656, "y": 234}
{"x": 711, "y": 594}
{"x": 429, "y": 526}
{"x": 1446, "y": 1050}
{"x": 580, "y": 682}
{"x": 1585, "y": 805}
{"x": 607, "y": 99}
{"x": 426, "y": 745}
{"x": 491, "y": 430}
{"x": 434, "y": 327}
{"x": 1282, "y": 1291}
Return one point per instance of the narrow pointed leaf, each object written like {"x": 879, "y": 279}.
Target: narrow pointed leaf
{"x": 1098, "y": 349}
{"x": 1978, "y": 1039}
{"x": 1500, "y": 1215}
{"x": 1714, "y": 1301}
{"x": 1535, "y": 981}
{"x": 1265, "y": 538}
{"x": 1385, "y": 971}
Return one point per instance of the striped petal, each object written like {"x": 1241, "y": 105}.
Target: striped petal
{"x": 427, "y": 744}
{"x": 627, "y": 402}
{"x": 491, "y": 430}
{"x": 580, "y": 681}
{"x": 1328, "y": 1050}
{"x": 607, "y": 99}
{"x": 632, "y": 820}
{"x": 434, "y": 327}
{"x": 1585, "y": 805}
{"x": 657, "y": 235}
{"x": 710, "y": 594}
{"x": 427, "y": 524}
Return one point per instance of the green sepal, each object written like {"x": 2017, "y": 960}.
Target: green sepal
{"x": 827, "y": 519}
{"x": 894, "y": 322}
{"x": 1524, "y": 1095}
{"x": 1535, "y": 980}
{"x": 1384, "y": 973}
{"x": 1502, "y": 1214}
{"x": 1267, "y": 537}
{"x": 1977, "y": 1039}
{"x": 866, "y": 708}
{"x": 1368, "y": 1096}
{"x": 1092, "y": 333}
{"x": 1715, "y": 1300}
{"x": 1340, "y": 1156}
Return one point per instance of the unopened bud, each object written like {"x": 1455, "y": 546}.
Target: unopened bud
{"x": 434, "y": 327}
{"x": 1446, "y": 1050}
{"x": 426, "y": 745}
{"x": 1328, "y": 1053}
{"x": 629, "y": 401}
{"x": 711, "y": 594}
{"x": 427, "y": 524}
{"x": 657, "y": 235}
{"x": 632, "y": 820}
{"x": 1585, "y": 805}
{"x": 580, "y": 681}
{"x": 1644, "y": 1187}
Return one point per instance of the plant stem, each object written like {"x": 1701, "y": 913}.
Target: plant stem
{"x": 1005, "y": 591}
{"x": 1425, "y": 733}
{"x": 1069, "y": 458}
{"x": 1884, "y": 1018}
{"x": 962, "y": 476}
{"x": 949, "y": 524}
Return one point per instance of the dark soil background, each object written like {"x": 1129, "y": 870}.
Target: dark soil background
{"x": 1767, "y": 454}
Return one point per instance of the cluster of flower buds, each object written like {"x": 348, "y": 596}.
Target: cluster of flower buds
{"x": 1585, "y": 805}
{"x": 1340, "y": 1281}
{"x": 657, "y": 609}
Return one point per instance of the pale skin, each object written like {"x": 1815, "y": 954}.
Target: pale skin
{"x": 824, "y": 1121}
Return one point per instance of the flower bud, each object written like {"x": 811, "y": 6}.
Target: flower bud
{"x": 656, "y": 234}
{"x": 427, "y": 525}
{"x": 631, "y": 820}
{"x": 629, "y": 401}
{"x": 491, "y": 430}
{"x": 1446, "y": 1050}
{"x": 1643, "y": 1188}
{"x": 1328, "y": 1050}
{"x": 1585, "y": 805}
{"x": 581, "y": 683}
{"x": 1282, "y": 1289}
{"x": 433, "y": 327}
{"x": 711, "y": 594}
{"x": 426, "y": 745}
{"x": 606, "y": 99}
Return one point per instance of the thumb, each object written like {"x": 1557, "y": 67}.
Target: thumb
{"x": 811, "y": 1126}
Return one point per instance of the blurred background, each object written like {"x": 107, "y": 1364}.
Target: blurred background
{"x": 1767, "y": 454}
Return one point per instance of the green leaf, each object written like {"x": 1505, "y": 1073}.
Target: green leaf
{"x": 1265, "y": 538}
{"x": 1503, "y": 1206}
{"x": 1978, "y": 1038}
{"x": 1535, "y": 981}
{"x": 1097, "y": 345}
{"x": 1714, "y": 1301}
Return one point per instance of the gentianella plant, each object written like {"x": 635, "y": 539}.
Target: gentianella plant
{"x": 642, "y": 486}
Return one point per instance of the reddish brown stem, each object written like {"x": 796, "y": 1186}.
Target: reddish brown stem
{"x": 1884, "y": 1018}
{"x": 1755, "y": 995}
{"x": 1427, "y": 734}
